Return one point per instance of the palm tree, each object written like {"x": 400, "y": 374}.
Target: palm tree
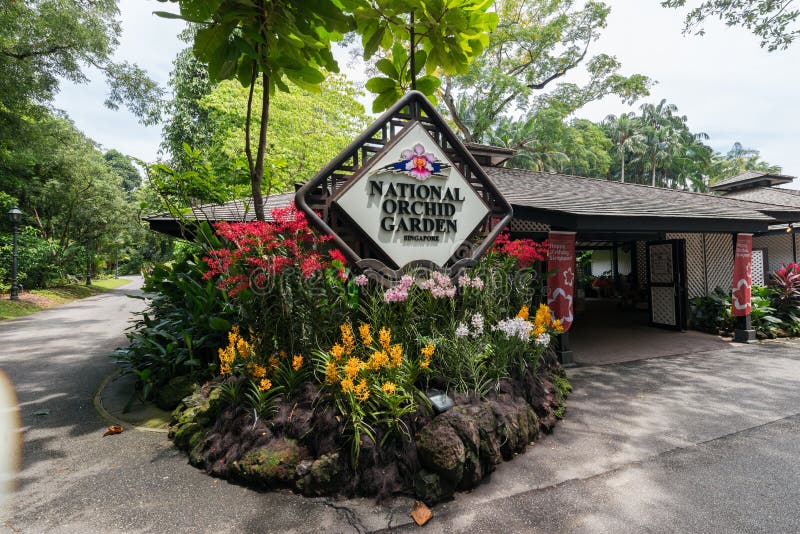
{"x": 659, "y": 121}
{"x": 624, "y": 132}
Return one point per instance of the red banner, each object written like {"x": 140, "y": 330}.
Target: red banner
{"x": 561, "y": 282}
{"x": 742, "y": 275}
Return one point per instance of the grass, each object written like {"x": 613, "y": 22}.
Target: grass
{"x": 39, "y": 299}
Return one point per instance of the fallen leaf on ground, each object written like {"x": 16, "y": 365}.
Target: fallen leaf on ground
{"x": 113, "y": 429}
{"x": 421, "y": 513}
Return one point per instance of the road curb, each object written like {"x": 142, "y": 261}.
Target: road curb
{"x": 97, "y": 400}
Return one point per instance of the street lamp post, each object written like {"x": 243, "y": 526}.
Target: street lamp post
{"x": 15, "y": 216}
{"x": 89, "y": 262}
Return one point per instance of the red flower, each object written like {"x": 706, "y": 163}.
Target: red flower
{"x": 337, "y": 255}
{"x": 524, "y": 251}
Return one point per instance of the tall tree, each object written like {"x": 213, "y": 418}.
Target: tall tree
{"x": 187, "y": 122}
{"x": 44, "y": 41}
{"x": 624, "y": 132}
{"x": 307, "y": 129}
{"x": 524, "y": 68}
{"x": 546, "y": 142}
{"x": 658, "y": 122}
{"x": 120, "y": 165}
{"x": 268, "y": 40}
{"x": 774, "y": 21}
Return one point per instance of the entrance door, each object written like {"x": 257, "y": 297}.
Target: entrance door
{"x": 666, "y": 276}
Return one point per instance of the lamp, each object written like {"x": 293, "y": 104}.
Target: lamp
{"x": 790, "y": 228}
{"x": 15, "y": 216}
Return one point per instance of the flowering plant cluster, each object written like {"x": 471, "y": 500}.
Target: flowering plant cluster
{"x": 520, "y": 327}
{"x": 241, "y": 359}
{"x": 263, "y": 250}
{"x": 478, "y": 356}
{"x": 283, "y": 281}
{"x": 524, "y": 252}
{"x": 373, "y": 380}
{"x": 294, "y": 298}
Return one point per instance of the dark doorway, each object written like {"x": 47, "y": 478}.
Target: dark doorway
{"x": 666, "y": 277}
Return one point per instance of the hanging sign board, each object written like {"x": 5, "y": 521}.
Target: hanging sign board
{"x": 561, "y": 282}
{"x": 407, "y": 193}
{"x": 742, "y": 275}
{"x": 412, "y": 202}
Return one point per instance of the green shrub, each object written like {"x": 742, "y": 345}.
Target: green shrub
{"x": 712, "y": 313}
{"x": 179, "y": 334}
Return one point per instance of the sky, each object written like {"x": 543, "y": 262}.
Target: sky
{"x": 725, "y": 84}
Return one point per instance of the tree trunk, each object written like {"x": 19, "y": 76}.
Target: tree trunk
{"x": 654, "y": 172}
{"x": 257, "y": 173}
{"x": 622, "y": 157}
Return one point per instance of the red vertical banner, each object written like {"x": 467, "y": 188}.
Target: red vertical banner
{"x": 561, "y": 281}
{"x": 742, "y": 275}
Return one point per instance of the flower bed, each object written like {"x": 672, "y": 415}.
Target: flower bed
{"x": 301, "y": 446}
{"x": 325, "y": 382}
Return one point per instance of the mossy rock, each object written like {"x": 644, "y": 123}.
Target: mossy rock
{"x": 272, "y": 465}
{"x": 186, "y": 435}
{"x": 173, "y": 392}
{"x": 325, "y": 475}
{"x": 199, "y": 409}
{"x": 440, "y": 450}
{"x": 465, "y": 425}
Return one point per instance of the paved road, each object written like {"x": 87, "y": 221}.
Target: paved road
{"x": 694, "y": 443}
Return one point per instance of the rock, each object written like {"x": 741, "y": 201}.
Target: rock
{"x": 464, "y": 424}
{"x": 173, "y": 392}
{"x": 507, "y": 428}
{"x": 186, "y": 435}
{"x": 274, "y": 464}
{"x": 441, "y": 450}
{"x": 324, "y": 476}
{"x": 431, "y": 488}
{"x": 304, "y": 467}
{"x": 194, "y": 415}
{"x": 488, "y": 447}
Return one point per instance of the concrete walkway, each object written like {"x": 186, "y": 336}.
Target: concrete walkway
{"x": 603, "y": 333}
{"x": 690, "y": 443}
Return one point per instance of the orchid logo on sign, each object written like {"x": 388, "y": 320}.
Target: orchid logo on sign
{"x": 412, "y": 202}
{"x": 418, "y": 163}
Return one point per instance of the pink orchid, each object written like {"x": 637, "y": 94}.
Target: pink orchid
{"x": 418, "y": 163}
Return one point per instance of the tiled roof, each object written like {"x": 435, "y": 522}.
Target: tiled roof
{"x": 562, "y": 194}
{"x": 236, "y": 210}
{"x": 577, "y": 195}
{"x": 751, "y": 177}
{"x": 769, "y": 195}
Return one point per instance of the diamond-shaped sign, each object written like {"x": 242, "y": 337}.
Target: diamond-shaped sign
{"x": 406, "y": 192}
{"x": 412, "y": 202}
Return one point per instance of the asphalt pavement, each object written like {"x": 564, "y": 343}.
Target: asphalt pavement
{"x": 700, "y": 443}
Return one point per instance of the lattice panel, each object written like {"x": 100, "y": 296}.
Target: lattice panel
{"x": 719, "y": 261}
{"x": 759, "y": 278}
{"x": 779, "y": 249}
{"x": 641, "y": 263}
{"x": 662, "y": 305}
{"x": 695, "y": 263}
{"x": 661, "y": 268}
{"x": 796, "y": 244}
{"x": 528, "y": 227}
